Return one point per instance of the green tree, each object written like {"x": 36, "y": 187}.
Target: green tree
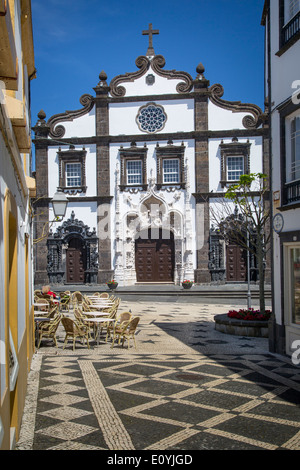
{"x": 251, "y": 229}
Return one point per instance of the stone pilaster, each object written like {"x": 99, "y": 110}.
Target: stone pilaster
{"x": 105, "y": 272}
{"x": 202, "y": 274}
{"x": 41, "y": 204}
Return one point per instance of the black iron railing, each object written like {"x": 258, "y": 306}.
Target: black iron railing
{"x": 291, "y": 29}
{"x": 291, "y": 192}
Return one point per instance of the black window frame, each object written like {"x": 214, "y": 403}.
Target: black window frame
{"x": 130, "y": 154}
{"x": 170, "y": 152}
{"x": 71, "y": 156}
{"x": 234, "y": 149}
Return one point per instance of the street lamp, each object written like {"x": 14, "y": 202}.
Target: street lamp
{"x": 59, "y": 204}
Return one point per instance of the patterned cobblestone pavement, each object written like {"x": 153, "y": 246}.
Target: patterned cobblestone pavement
{"x": 185, "y": 387}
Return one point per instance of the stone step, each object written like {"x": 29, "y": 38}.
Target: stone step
{"x": 228, "y": 293}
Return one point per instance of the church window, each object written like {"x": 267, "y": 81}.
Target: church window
{"x": 171, "y": 171}
{"x": 133, "y": 162}
{"x": 235, "y": 160}
{"x": 134, "y": 172}
{"x": 170, "y": 165}
{"x": 235, "y": 168}
{"x": 73, "y": 174}
{"x": 151, "y": 118}
{"x": 72, "y": 170}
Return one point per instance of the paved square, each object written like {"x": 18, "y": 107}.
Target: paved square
{"x": 185, "y": 387}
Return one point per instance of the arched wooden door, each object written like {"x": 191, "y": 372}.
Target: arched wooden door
{"x": 75, "y": 262}
{"x": 154, "y": 258}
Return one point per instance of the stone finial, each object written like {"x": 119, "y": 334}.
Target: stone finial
{"x": 103, "y": 78}
{"x": 41, "y": 115}
{"x": 41, "y": 128}
{"x": 200, "y": 71}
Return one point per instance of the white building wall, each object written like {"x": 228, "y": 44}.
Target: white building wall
{"x": 285, "y": 69}
{"x": 285, "y": 80}
{"x": 160, "y": 86}
{"x": 83, "y": 126}
{"x": 222, "y": 119}
{"x": 180, "y": 117}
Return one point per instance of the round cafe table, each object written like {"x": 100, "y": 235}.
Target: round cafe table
{"x": 98, "y": 322}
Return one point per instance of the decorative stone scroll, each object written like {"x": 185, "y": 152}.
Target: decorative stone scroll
{"x": 116, "y": 90}
{"x": 157, "y": 64}
{"x": 249, "y": 122}
{"x": 58, "y": 131}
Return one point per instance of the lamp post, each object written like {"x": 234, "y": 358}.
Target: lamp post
{"x": 59, "y": 204}
{"x": 248, "y": 270}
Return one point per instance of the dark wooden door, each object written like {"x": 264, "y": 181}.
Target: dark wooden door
{"x": 165, "y": 261}
{"x": 154, "y": 260}
{"x": 145, "y": 260}
{"x": 75, "y": 262}
{"x": 236, "y": 263}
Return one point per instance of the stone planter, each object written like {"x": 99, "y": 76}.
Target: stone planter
{"x": 233, "y": 326}
{"x": 186, "y": 286}
{"x": 112, "y": 286}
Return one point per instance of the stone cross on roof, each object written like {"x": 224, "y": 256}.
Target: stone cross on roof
{"x": 149, "y": 32}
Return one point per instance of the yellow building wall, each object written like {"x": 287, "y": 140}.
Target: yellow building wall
{"x": 16, "y": 184}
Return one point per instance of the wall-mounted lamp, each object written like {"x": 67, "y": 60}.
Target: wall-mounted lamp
{"x": 59, "y": 204}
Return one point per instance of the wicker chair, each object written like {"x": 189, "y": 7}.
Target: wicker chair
{"x": 48, "y": 329}
{"x": 81, "y": 321}
{"x": 76, "y": 298}
{"x": 53, "y": 311}
{"x": 74, "y": 330}
{"x": 126, "y": 331}
{"x": 43, "y": 303}
{"x": 123, "y": 317}
{"x": 104, "y": 295}
{"x": 65, "y": 300}
{"x": 88, "y": 307}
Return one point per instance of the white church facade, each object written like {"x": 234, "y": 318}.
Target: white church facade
{"x": 142, "y": 163}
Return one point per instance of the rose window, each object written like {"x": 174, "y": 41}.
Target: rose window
{"x": 151, "y": 118}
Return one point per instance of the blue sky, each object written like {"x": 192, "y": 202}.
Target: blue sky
{"x": 75, "y": 40}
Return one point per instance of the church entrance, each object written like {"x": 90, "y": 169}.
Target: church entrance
{"x": 236, "y": 263}
{"x": 75, "y": 262}
{"x": 155, "y": 258}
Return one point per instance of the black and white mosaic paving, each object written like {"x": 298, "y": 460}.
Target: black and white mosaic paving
{"x": 185, "y": 387}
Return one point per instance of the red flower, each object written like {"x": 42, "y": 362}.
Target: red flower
{"x": 249, "y": 314}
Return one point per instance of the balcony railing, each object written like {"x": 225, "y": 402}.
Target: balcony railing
{"x": 291, "y": 29}
{"x": 291, "y": 192}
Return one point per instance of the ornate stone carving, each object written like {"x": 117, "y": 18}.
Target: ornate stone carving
{"x": 151, "y": 118}
{"x": 249, "y": 122}
{"x": 58, "y": 243}
{"x": 216, "y": 255}
{"x": 157, "y": 64}
{"x": 223, "y": 234}
{"x": 58, "y": 131}
{"x": 116, "y": 90}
